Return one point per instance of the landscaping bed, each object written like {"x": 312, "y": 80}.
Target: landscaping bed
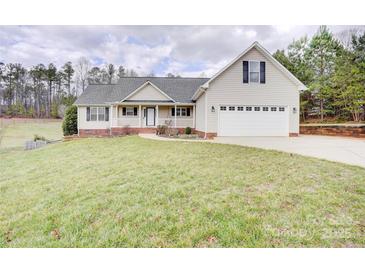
{"x": 183, "y": 136}
{"x": 174, "y": 133}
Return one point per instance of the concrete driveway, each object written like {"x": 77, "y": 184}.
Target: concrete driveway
{"x": 339, "y": 149}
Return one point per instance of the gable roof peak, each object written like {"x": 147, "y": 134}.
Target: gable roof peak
{"x": 268, "y": 55}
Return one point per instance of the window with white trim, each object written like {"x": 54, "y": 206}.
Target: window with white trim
{"x": 93, "y": 114}
{"x": 248, "y": 108}
{"x": 239, "y": 108}
{"x": 223, "y": 108}
{"x": 101, "y": 113}
{"x": 273, "y": 108}
{"x": 257, "y": 108}
{"x": 181, "y": 111}
{"x": 129, "y": 112}
{"x": 231, "y": 108}
{"x": 281, "y": 109}
{"x": 265, "y": 108}
{"x": 97, "y": 114}
{"x": 254, "y": 70}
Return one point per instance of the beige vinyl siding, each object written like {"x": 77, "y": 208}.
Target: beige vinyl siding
{"x": 83, "y": 124}
{"x": 148, "y": 93}
{"x": 181, "y": 121}
{"x": 164, "y": 114}
{"x": 200, "y": 113}
{"x": 184, "y": 122}
{"x": 228, "y": 88}
{"x": 122, "y": 121}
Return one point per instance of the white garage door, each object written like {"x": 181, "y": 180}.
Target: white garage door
{"x": 253, "y": 121}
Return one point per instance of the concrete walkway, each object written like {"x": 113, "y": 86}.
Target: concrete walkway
{"x": 338, "y": 149}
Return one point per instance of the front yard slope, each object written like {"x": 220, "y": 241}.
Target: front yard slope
{"x": 132, "y": 192}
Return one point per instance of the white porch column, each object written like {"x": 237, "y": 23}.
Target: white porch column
{"x": 175, "y": 116}
{"x": 193, "y": 116}
{"x": 140, "y": 116}
{"x": 156, "y": 115}
{"x": 111, "y": 116}
{"x": 117, "y": 106}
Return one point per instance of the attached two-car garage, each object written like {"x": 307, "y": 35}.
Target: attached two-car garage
{"x": 245, "y": 120}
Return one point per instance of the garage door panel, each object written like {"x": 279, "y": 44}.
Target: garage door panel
{"x": 254, "y": 123}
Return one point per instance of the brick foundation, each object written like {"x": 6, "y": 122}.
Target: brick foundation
{"x": 357, "y": 131}
{"x": 94, "y": 132}
{"x": 293, "y": 134}
{"x": 119, "y": 131}
{"x": 209, "y": 135}
{"x": 131, "y": 131}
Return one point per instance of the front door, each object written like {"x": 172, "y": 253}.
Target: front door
{"x": 150, "y": 119}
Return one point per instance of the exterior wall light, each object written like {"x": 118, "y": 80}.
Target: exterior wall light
{"x": 212, "y": 109}
{"x": 294, "y": 110}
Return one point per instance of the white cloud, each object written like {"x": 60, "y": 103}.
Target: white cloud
{"x": 284, "y": 28}
{"x": 250, "y": 34}
{"x": 184, "y": 50}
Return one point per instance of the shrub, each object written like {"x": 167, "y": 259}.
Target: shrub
{"x": 39, "y": 138}
{"x": 54, "y": 111}
{"x": 172, "y": 132}
{"x": 188, "y": 130}
{"x": 161, "y": 129}
{"x": 69, "y": 124}
{"x": 31, "y": 112}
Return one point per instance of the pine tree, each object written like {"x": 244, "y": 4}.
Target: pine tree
{"x": 68, "y": 71}
{"x": 321, "y": 54}
{"x": 348, "y": 85}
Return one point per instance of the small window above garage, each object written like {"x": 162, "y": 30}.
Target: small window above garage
{"x": 254, "y": 72}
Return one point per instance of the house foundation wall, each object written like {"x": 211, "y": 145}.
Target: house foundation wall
{"x": 208, "y": 135}
{"x": 120, "y": 131}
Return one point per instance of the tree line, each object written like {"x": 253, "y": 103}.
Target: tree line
{"x": 333, "y": 69}
{"x": 43, "y": 91}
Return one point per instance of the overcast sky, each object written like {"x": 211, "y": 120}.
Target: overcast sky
{"x": 184, "y": 50}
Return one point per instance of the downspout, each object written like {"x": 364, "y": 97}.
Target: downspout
{"x": 78, "y": 122}
{"x": 111, "y": 119}
{"x": 206, "y": 115}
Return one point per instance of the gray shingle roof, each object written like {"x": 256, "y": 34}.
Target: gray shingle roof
{"x": 179, "y": 89}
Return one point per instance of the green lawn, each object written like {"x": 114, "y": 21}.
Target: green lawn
{"x": 133, "y": 192}
{"x": 15, "y": 133}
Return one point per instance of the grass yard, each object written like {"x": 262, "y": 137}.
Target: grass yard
{"x": 14, "y": 132}
{"x": 133, "y": 192}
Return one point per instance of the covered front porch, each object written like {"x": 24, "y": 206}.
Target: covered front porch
{"x": 146, "y": 115}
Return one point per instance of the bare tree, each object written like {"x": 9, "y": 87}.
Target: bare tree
{"x": 345, "y": 36}
{"x": 132, "y": 73}
{"x": 82, "y": 70}
{"x": 121, "y": 72}
{"x": 203, "y": 75}
{"x": 171, "y": 75}
{"x": 110, "y": 73}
